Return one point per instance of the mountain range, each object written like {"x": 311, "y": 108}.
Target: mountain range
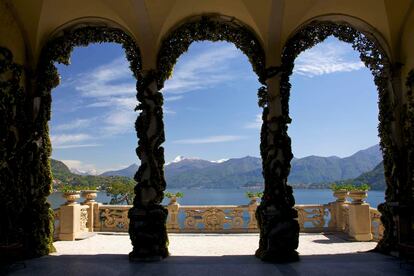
{"x": 307, "y": 172}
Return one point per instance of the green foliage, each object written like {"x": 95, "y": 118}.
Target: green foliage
{"x": 349, "y": 187}
{"x": 177, "y": 194}
{"x": 250, "y": 194}
{"x": 64, "y": 188}
{"x": 339, "y": 187}
{"x": 14, "y": 185}
{"x": 121, "y": 191}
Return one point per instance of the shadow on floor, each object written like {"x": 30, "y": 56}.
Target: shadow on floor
{"x": 114, "y": 264}
{"x": 332, "y": 238}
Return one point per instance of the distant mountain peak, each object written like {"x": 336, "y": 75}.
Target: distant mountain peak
{"x": 83, "y": 172}
{"x": 220, "y": 160}
{"x": 181, "y": 158}
{"x": 128, "y": 171}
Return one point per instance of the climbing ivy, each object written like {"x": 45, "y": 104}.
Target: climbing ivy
{"x": 12, "y": 118}
{"x": 407, "y": 193}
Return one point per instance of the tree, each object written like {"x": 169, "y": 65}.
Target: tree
{"x": 121, "y": 190}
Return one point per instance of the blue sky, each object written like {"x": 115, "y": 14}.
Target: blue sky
{"x": 211, "y": 107}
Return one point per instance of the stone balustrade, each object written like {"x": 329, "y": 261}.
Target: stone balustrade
{"x": 315, "y": 218}
{"x": 356, "y": 219}
{"x": 377, "y": 229}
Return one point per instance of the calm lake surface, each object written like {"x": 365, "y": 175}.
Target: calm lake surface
{"x": 235, "y": 197}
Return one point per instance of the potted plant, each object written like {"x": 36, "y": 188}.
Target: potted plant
{"x": 253, "y": 196}
{"x": 89, "y": 193}
{"x": 340, "y": 191}
{"x": 173, "y": 197}
{"x": 70, "y": 194}
{"x": 358, "y": 193}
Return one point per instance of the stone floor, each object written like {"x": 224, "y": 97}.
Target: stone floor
{"x": 211, "y": 254}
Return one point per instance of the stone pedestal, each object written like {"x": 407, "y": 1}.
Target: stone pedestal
{"x": 252, "y": 226}
{"x": 359, "y": 222}
{"x": 172, "y": 224}
{"x": 93, "y": 206}
{"x": 337, "y": 217}
{"x": 73, "y": 219}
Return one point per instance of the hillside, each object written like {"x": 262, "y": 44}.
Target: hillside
{"x": 315, "y": 169}
{"x": 127, "y": 172}
{"x": 59, "y": 169}
{"x": 374, "y": 178}
{"x": 247, "y": 171}
{"x": 62, "y": 173}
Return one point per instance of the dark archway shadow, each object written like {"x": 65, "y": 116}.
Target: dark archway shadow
{"x": 366, "y": 263}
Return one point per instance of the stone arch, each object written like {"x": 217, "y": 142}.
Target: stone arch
{"x": 41, "y": 82}
{"x": 213, "y": 28}
{"x": 374, "y": 53}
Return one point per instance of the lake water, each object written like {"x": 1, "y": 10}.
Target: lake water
{"x": 236, "y": 197}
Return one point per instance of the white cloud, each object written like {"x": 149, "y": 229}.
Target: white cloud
{"x": 61, "y": 139}
{"x": 173, "y": 98}
{"x": 326, "y": 58}
{"x": 112, "y": 79}
{"x": 75, "y": 124}
{"x": 128, "y": 103}
{"x": 210, "y": 139}
{"x": 112, "y": 88}
{"x": 118, "y": 122}
{"x": 74, "y": 146}
{"x": 256, "y": 124}
{"x": 202, "y": 71}
{"x": 69, "y": 141}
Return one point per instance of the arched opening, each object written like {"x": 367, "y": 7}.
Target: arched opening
{"x": 212, "y": 140}
{"x": 334, "y": 111}
{"x": 58, "y": 50}
{"x": 93, "y": 118}
{"x": 376, "y": 60}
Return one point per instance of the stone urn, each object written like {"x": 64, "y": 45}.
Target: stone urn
{"x": 173, "y": 200}
{"x": 340, "y": 195}
{"x": 89, "y": 195}
{"x": 253, "y": 200}
{"x": 358, "y": 196}
{"x": 71, "y": 197}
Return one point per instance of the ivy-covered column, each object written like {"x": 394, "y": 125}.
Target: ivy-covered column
{"x": 148, "y": 217}
{"x": 39, "y": 217}
{"x": 404, "y": 216}
{"x": 279, "y": 229}
{"x": 24, "y": 167}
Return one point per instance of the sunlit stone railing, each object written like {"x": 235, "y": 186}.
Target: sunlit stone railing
{"x": 356, "y": 219}
{"x": 56, "y": 224}
{"x": 315, "y": 218}
{"x": 212, "y": 219}
{"x": 112, "y": 218}
{"x": 377, "y": 228}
